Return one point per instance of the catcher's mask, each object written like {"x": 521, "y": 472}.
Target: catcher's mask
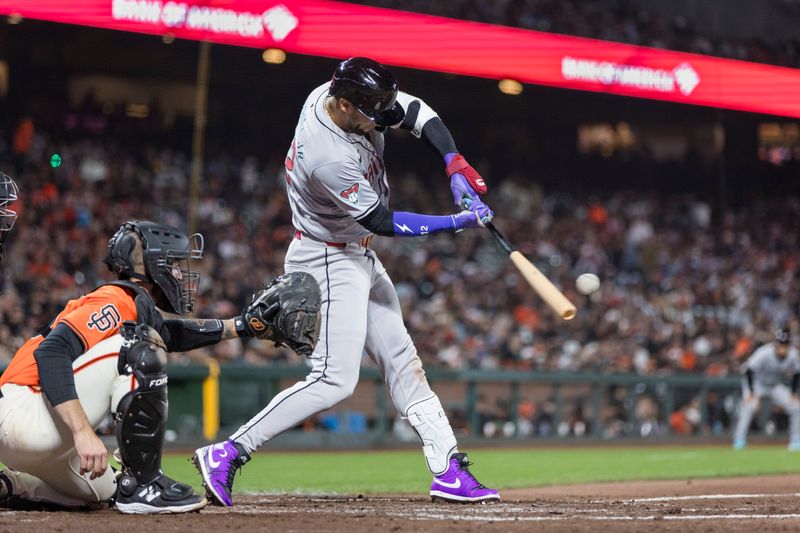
{"x": 165, "y": 258}
{"x": 8, "y": 195}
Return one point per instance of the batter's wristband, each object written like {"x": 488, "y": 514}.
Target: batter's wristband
{"x": 457, "y": 164}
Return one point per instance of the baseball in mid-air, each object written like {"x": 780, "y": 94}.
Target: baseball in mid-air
{"x": 587, "y": 283}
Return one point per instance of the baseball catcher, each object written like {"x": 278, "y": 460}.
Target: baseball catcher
{"x": 105, "y": 352}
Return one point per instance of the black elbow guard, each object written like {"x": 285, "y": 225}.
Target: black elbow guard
{"x": 379, "y": 221}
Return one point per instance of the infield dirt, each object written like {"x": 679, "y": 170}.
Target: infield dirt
{"x": 767, "y": 503}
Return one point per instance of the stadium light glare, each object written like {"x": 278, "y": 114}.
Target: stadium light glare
{"x": 14, "y": 18}
{"x": 512, "y": 87}
{"x": 273, "y": 56}
{"x": 168, "y": 38}
{"x": 137, "y": 110}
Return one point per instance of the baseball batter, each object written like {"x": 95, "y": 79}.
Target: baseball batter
{"x": 762, "y": 375}
{"x": 339, "y": 193}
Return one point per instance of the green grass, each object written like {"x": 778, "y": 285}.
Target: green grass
{"x": 366, "y": 472}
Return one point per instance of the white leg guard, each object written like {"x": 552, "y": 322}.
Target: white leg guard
{"x": 438, "y": 441}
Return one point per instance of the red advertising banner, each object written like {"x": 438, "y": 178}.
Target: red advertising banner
{"x": 339, "y": 30}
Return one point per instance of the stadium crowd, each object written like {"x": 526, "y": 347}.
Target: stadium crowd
{"x": 611, "y": 20}
{"x": 684, "y": 290}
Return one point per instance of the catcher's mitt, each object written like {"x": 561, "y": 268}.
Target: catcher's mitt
{"x": 287, "y": 312}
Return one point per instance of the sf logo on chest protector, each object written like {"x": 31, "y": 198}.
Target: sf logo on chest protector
{"x": 107, "y": 318}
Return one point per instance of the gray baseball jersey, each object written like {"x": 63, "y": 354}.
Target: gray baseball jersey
{"x": 334, "y": 178}
{"x": 768, "y": 369}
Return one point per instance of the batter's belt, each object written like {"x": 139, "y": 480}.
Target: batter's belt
{"x": 364, "y": 243}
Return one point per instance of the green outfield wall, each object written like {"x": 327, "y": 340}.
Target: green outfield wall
{"x": 207, "y": 403}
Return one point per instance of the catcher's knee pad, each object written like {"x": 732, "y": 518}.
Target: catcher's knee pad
{"x": 429, "y": 420}
{"x": 142, "y": 413}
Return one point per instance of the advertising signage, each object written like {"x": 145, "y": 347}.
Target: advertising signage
{"x": 339, "y": 30}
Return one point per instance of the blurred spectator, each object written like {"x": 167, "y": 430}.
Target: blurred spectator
{"x": 679, "y": 294}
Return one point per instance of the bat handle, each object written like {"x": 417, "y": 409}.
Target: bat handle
{"x": 507, "y": 246}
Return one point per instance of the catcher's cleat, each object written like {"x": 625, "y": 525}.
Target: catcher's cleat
{"x": 458, "y": 485}
{"x": 164, "y": 495}
{"x": 218, "y": 464}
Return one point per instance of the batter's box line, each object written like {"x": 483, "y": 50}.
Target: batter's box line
{"x": 709, "y": 497}
{"x": 619, "y": 518}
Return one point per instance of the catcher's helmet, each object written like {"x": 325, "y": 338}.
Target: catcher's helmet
{"x": 8, "y": 195}
{"x": 165, "y": 258}
{"x": 371, "y": 88}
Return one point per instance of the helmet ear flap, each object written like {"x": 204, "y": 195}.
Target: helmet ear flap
{"x": 121, "y": 258}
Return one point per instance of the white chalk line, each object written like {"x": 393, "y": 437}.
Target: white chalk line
{"x": 604, "y": 518}
{"x": 553, "y": 518}
{"x": 710, "y": 497}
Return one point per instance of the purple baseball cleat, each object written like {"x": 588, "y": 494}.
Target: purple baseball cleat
{"x": 218, "y": 464}
{"x": 458, "y": 485}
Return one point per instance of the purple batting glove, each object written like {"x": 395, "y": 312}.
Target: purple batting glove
{"x": 477, "y": 216}
{"x": 463, "y": 193}
{"x": 465, "y": 182}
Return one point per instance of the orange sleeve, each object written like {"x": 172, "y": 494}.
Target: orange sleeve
{"x": 100, "y": 314}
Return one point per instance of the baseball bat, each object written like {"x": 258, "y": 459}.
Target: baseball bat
{"x": 538, "y": 281}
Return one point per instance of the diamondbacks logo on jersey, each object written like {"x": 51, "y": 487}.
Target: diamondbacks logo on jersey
{"x": 350, "y": 194}
{"x": 107, "y": 318}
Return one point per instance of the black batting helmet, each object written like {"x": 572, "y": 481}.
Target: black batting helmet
{"x": 371, "y": 88}
{"x": 166, "y": 253}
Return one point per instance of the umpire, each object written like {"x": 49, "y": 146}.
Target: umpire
{"x": 761, "y": 376}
